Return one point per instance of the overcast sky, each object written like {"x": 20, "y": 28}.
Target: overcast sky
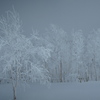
{"x": 67, "y": 14}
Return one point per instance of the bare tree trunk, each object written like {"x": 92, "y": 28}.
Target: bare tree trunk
{"x": 95, "y": 73}
{"x": 61, "y": 80}
{"x": 14, "y": 93}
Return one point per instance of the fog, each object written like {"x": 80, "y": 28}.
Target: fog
{"x": 67, "y": 14}
{"x": 65, "y": 47}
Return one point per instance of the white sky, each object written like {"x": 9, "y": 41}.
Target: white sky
{"x": 67, "y": 14}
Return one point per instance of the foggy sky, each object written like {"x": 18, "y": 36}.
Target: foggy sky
{"x": 67, "y": 14}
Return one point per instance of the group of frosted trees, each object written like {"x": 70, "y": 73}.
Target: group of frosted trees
{"x": 54, "y": 55}
{"x": 76, "y": 56}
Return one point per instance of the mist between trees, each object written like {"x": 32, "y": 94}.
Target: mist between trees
{"x": 52, "y": 56}
{"x": 75, "y": 56}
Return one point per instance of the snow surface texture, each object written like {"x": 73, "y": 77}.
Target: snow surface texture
{"x": 57, "y": 91}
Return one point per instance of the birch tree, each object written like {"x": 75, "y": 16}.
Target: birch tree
{"x": 93, "y": 50}
{"x": 20, "y": 58}
{"x": 77, "y": 55}
{"x": 58, "y": 37}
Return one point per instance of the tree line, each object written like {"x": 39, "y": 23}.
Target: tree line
{"x": 53, "y": 56}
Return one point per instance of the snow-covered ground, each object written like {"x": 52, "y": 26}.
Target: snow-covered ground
{"x": 57, "y": 91}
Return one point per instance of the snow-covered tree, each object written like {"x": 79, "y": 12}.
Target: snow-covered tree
{"x": 58, "y": 37}
{"x": 77, "y": 55}
{"x": 20, "y": 58}
{"x": 93, "y": 51}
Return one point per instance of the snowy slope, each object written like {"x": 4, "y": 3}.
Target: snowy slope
{"x": 57, "y": 91}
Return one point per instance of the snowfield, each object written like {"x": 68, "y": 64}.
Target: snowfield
{"x": 56, "y": 91}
